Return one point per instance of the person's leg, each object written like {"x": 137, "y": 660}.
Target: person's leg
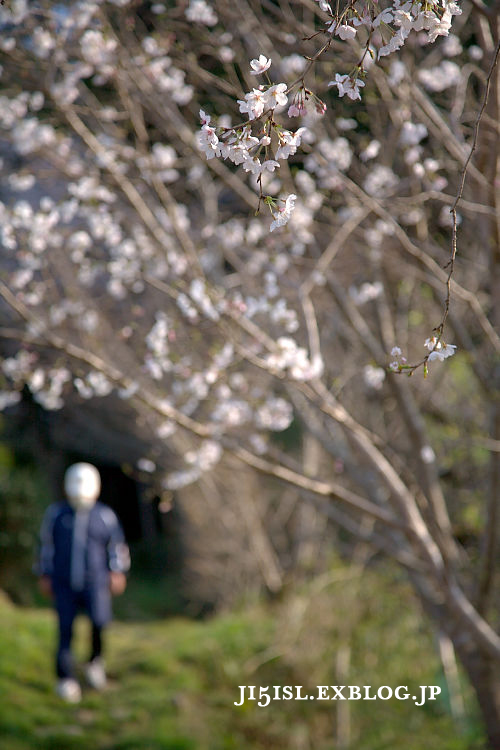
{"x": 66, "y": 612}
{"x": 97, "y": 641}
{"x": 99, "y": 616}
{"x": 67, "y": 686}
{"x": 94, "y": 670}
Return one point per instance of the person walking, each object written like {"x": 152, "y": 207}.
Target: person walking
{"x": 83, "y": 561}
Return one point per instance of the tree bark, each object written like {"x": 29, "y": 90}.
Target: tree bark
{"x": 484, "y": 675}
{"x": 482, "y": 669}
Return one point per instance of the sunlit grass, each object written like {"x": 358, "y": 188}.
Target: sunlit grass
{"x": 172, "y": 682}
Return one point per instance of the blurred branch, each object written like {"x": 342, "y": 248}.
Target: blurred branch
{"x": 328, "y": 489}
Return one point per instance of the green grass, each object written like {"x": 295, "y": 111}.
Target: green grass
{"x": 173, "y": 681}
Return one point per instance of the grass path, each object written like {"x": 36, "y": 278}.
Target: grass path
{"x": 172, "y": 682}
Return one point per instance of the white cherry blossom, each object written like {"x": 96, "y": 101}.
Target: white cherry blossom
{"x": 348, "y": 85}
{"x": 209, "y": 142}
{"x": 201, "y": 12}
{"x": 255, "y": 167}
{"x": 344, "y": 31}
{"x": 259, "y": 65}
{"x": 373, "y": 377}
{"x": 438, "y": 349}
{"x": 289, "y": 142}
{"x": 282, "y": 214}
{"x": 254, "y": 104}
{"x": 276, "y": 96}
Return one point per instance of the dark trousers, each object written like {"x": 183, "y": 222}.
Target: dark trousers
{"x": 68, "y": 604}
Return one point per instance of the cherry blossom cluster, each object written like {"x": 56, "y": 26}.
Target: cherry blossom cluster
{"x": 293, "y": 359}
{"x": 391, "y": 27}
{"x": 259, "y": 143}
{"x": 394, "y": 23}
{"x": 438, "y": 352}
{"x": 198, "y": 461}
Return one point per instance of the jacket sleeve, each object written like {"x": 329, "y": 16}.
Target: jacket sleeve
{"x": 117, "y": 549}
{"x": 44, "y": 566}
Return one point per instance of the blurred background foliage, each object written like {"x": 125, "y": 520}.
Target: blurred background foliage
{"x": 24, "y": 492}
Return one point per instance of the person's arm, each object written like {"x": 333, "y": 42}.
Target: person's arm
{"x": 45, "y": 565}
{"x": 45, "y": 586}
{"x": 117, "y": 552}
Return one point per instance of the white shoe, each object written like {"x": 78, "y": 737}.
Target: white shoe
{"x": 95, "y": 674}
{"x": 69, "y": 690}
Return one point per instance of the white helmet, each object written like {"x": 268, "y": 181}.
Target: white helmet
{"x": 82, "y": 485}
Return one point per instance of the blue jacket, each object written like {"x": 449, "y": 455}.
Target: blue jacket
{"x": 79, "y": 548}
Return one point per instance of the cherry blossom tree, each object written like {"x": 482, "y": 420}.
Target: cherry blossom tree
{"x": 239, "y": 216}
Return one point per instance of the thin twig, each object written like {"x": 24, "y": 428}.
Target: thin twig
{"x": 453, "y": 209}
{"x": 450, "y": 265}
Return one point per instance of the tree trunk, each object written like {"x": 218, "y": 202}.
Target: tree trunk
{"x": 482, "y": 669}
{"x": 484, "y": 675}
